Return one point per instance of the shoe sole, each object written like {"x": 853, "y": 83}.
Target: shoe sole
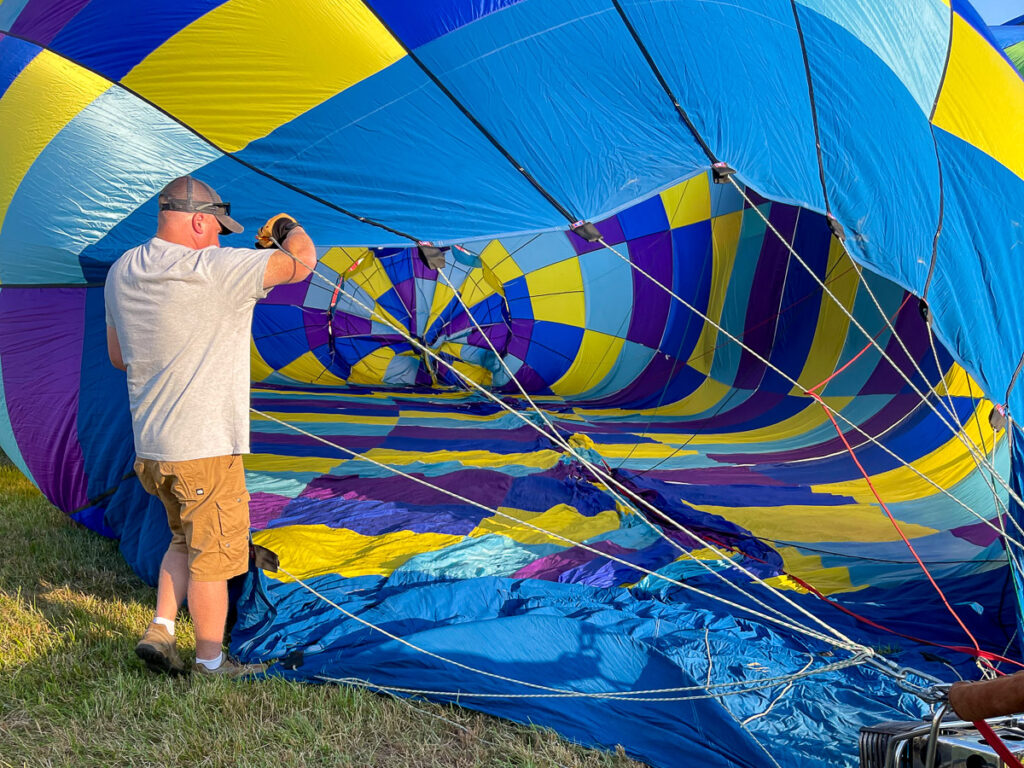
{"x": 158, "y": 662}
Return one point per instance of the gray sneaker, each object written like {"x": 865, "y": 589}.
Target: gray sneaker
{"x": 231, "y": 668}
{"x": 159, "y": 650}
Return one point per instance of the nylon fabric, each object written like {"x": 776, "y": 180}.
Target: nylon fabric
{"x": 341, "y": 43}
{"x": 648, "y": 489}
{"x": 965, "y": 91}
{"x": 142, "y": 138}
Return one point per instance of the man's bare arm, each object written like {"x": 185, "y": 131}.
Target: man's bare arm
{"x": 282, "y": 268}
{"x": 114, "y": 349}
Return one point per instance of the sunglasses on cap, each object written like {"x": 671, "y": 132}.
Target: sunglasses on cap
{"x": 213, "y": 206}
{"x": 195, "y": 206}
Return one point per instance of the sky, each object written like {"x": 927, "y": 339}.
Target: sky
{"x": 998, "y": 11}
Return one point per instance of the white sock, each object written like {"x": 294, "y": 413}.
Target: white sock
{"x": 211, "y": 664}
{"x": 165, "y": 622}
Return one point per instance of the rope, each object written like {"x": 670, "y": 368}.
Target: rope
{"x": 988, "y": 655}
{"x": 851, "y": 646}
{"x": 609, "y": 480}
{"x": 777, "y": 699}
{"x": 737, "y": 688}
{"x": 605, "y": 696}
{"x": 796, "y": 384}
{"x": 1013, "y": 380}
{"x": 957, "y": 433}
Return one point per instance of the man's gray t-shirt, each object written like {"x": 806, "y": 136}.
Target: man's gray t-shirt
{"x": 184, "y": 319}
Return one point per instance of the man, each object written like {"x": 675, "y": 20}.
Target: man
{"x": 179, "y": 316}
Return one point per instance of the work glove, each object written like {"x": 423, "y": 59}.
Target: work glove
{"x": 277, "y": 228}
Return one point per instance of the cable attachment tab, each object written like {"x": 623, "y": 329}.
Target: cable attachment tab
{"x": 431, "y": 256}
{"x": 720, "y": 172}
{"x": 836, "y": 227}
{"x": 997, "y": 417}
{"x": 926, "y": 315}
{"x": 587, "y": 231}
{"x": 263, "y": 558}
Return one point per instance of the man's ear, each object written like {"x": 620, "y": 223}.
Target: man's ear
{"x": 198, "y": 223}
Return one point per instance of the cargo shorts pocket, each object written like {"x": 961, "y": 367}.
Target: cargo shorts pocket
{"x": 233, "y": 523}
{"x": 233, "y": 516}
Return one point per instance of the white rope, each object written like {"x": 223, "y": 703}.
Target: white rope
{"x": 852, "y": 646}
{"x": 707, "y": 650}
{"x": 826, "y": 406}
{"x": 847, "y": 642}
{"x": 610, "y": 480}
{"x": 735, "y": 688}
{"x": 777, "y": 699}
{"x": 968, "y": 444}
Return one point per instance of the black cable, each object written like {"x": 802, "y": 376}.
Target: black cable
{"x": 664, "y": 84}
{"x": 211, "y": 143}
{"x": 814, "y": 108}
{"x": 476, "y": 123}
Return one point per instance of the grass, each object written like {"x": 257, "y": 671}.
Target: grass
{"x": 72, "y": 692}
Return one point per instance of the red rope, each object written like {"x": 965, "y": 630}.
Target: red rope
{"x": 899, "y": 530}
{"x": 987, "y": 655}
{"x": 997, "y": 744}
{"x": 867, "y": 346}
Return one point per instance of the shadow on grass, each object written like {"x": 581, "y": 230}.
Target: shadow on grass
{"x": 55, "y": 571}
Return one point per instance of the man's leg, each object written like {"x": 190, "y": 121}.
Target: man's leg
{"x": 217, "y": 531}
{"x": 173, "y": 584}
{"x": 208, "y": 604}
{"x": 158, "y": 648}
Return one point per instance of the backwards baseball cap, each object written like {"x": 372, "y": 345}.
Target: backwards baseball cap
{"x": 194, "y": 196}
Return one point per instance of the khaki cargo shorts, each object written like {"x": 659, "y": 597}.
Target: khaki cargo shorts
{"x": 207, "y": 509}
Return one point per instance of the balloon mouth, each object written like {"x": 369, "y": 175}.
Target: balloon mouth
{"x": 699, "y": 287}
